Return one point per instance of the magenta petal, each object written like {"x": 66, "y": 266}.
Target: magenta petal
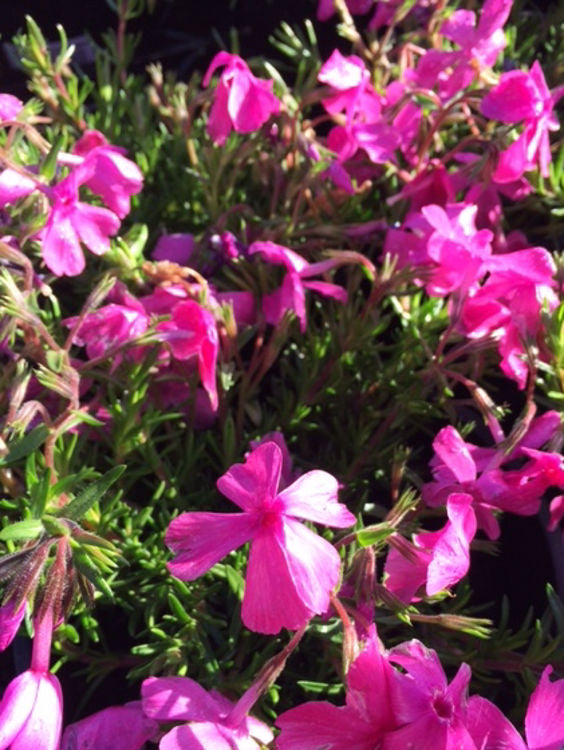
{"x": 544, "y": 721}
{"x": 271, "y": 601}
{"x": 314, "y": 565}
{"x": 200, "y": 540}
{"x": 512, "y": 100}
{"x": 334, "y": 291}
{"x": 61, "y": 247}
{"x": 114, "y": 728}
{"x": 94, "y": 225}
{"x": 319, "y": 724}
{"x": 368, "y": 682}
{"x": 313, "y": 496}
{"x": 489, "y": 728}
{"x": 453, "y": 452}
{"x": 10, "y": 621}
{"x": 219, "y": 123}
{"x": 254, "y": 484}
{"x": 174, "y": 247}
{"x": 177, "y": 699}
{"x": 425, "y": 733}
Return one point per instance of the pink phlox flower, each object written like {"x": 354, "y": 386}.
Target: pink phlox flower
{"x": 115, "y": 728}
{"x": 446, "y": 243}
{"x": 437, "y": 558}
{"x": 212, "y": 720}
{"x": 431, "y": 713}
{"x": 291, "y": 295}
{"x": 71, "y": 222}
{"x": 291, "y": 570}
{"x": 242, "y": 102}
{"x": 192, "y": 332}
{"x": 10, "y": 621}
{"x": 10, "y": 107}
{"x": 109, "y": 327}
{"x": 480, "y": 44}
{"x": 31, "y": 712}
{"x": 360, "y": 724}
{"x": 524, "y": 97}
{"x": 107, "y": 172}
{"x": 352, "y": 90}
{"x": 509, "y": 303}
{"x": 459, "y": 466}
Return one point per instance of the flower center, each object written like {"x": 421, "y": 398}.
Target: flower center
{"x": 443, "y": 707}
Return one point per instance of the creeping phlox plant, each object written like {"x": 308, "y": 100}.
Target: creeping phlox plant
{"x": 327, "y": 291}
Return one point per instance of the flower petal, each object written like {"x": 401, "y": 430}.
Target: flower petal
{"x": 176, "y": 699}
{"x": 200, "y": 540}
{"x": 254, "y": 484}
{"x": 313, "y": 496}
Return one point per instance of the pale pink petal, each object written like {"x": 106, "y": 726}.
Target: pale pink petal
{"x": 271, "y": 601}
{"x": 544, "y": 721}
{"x": 489, "y": 728}
{"x": 114, "y": 728}
{"x": 177, "y": 699}
{"x": 43, "y": 726}
{"x": 14, "y": 186}
{"x": 313, "y": 497}
{"x": 196, "y": 736}
{"x": 254, "y": 484}
{"x": 453, "y": 452}
{"x": 16, "y": 706}
{"x": 321, "y": 725}
{"x": 341, "y": 72}
{"x": 200, "y": 540}
{"x": 10, "y": 107}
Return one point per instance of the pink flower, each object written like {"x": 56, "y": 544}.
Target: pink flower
{"x": 479, "y": 47}
{"x": 360, "y": 725}
{"x": 10, "y": 107}
{"x": 242, "y": 102}
{"x": 107, "y": 172}
{"x": 190, "y": 332}
{"x": 438, "y": 558}
{"x": 71, "y": 222}
{"x": 462, "y": 467}
{"x": 291, "y": 295}
{"x": 521, "y": 96}
{"x": 213, "y": 720}
{"x": 177, "y": 248}
{"x": 430, "y": 712}
{"x": 291, "y": 571}
{"x": 326, "y": 8}
{"x": 14, "y": 186}
{"x": 31, "y": 712}
{"x": 115, "y": 728}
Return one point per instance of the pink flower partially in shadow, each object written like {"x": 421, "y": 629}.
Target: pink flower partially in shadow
{"x": 115, "y": 728}
{"x": 291, "y": 571}
{"x": 242, "y": 102}
{"x": 291, "y": 295}
{"x": 213, "y": 721}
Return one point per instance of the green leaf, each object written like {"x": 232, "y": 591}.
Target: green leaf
{"x": 374, "y": 534}
{"x": 90, "y": 570}
{"x": 22, "y": 530}
{"x": 26, "y": 445}
{"x": 81, "y": 504}
{"x": 48, "y": 170}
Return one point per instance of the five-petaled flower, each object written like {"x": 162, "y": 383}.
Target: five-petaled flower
{"x": 291, "y": 571}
